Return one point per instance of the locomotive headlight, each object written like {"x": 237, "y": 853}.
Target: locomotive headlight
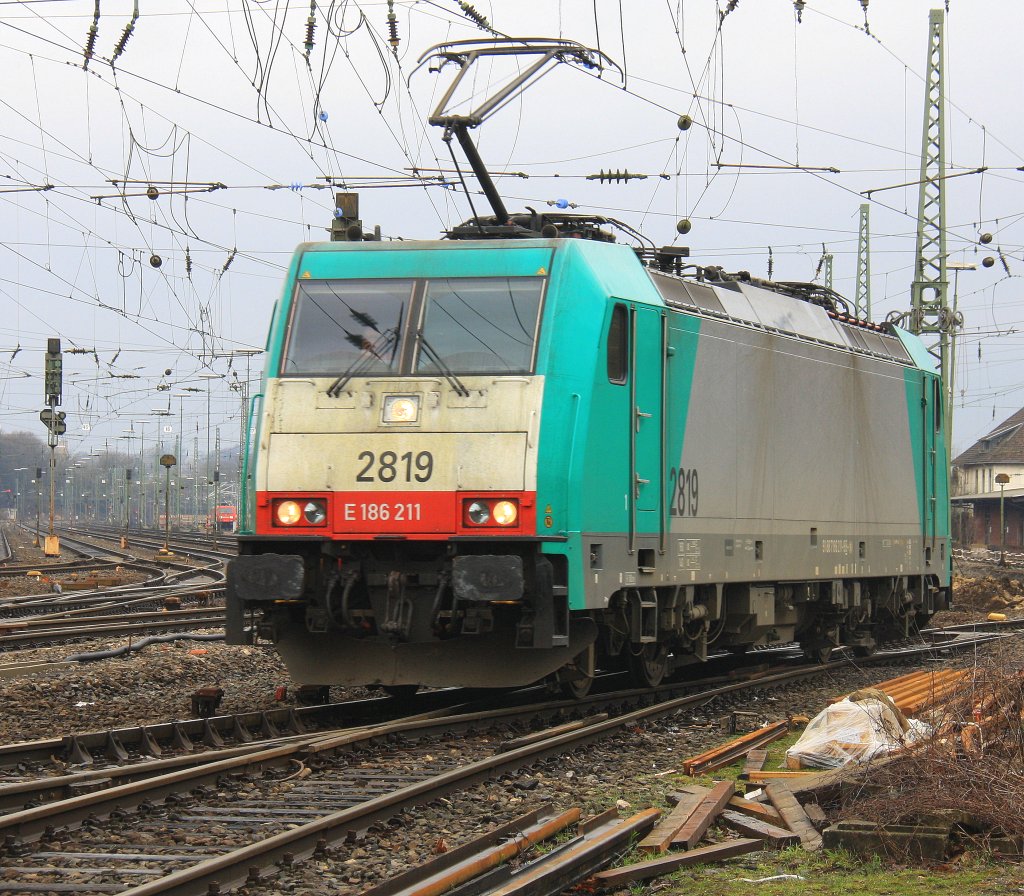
{"x": 478, "y": 513}
{"x": 490, "y": 512}
{"x": 506, "y": 513}
{"x": 314, "y": 512}
{"x": 400, "y": 409}
{"x": 288, "y": 513}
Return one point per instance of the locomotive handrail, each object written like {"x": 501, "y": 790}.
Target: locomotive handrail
{"x": 244, "y": 490}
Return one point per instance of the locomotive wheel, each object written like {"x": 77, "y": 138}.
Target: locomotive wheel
{"x": 576, "y": 684}
{"x": 577, "y": 688}
{"x": 648, "y": 667}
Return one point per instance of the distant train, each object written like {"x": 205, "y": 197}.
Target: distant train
{"x": 225, "y": 518}
{"x": 493, "y": 461}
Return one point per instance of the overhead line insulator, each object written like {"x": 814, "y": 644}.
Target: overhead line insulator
{"x": 393, "y": 37}
{"x": 471, "y": 12}
{"x": 129, "y": 29}
{"x": 615, "y": 176}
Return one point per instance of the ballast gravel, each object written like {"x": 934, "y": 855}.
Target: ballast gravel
{"x": 633, "y": 769}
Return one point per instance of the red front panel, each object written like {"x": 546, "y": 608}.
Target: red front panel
{"x": 362, "y": 515}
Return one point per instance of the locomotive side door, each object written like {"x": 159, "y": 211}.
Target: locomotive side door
{"x": 647, "y": 424}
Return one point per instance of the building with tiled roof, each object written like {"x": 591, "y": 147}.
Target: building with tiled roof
{"x": 978, "y": 499}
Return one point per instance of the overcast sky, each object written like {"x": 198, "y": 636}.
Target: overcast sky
{"x": 210, "y": 93}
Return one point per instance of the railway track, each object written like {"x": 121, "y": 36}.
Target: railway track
{"x": 260, "y": 807}
{"x": 242, "y": 815}
{"x": 176, "y": 594}
{"x": 86, "y": 561}
{"x": 62, "y": 630}
{"x": 101, "y": 752}
{"x": 150, "y": 740}
{"x": 183, "y": 543}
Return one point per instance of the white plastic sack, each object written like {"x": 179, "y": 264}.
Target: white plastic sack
{"x": 853, "y": 732}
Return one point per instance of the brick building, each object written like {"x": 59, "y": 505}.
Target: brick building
{"x": 976, "y": 494}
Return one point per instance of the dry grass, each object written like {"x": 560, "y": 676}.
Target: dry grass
{"x": 972, "y": 765}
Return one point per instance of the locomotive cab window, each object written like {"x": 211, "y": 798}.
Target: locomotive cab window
{"x": 618, "y": 345}
{"x": 479, "y": 325}
{"x": 337, "y": 324}
{"x": 465, "y": 325}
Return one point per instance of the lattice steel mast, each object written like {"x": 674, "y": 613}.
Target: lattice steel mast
{"x": 931, "y": 317}
{"x": 862, "y": 296}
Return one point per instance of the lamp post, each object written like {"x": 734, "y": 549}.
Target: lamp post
{"x": 167, "y": 461}
{"x": 19, "y": 501}
{"x": 956, "y": 267}
{"x": 186, "y": 392}
{"x": 242, "y": 388}
{"x": 38, "y": 479}
{"x": 127, "y": 504}
{"x": 1002, "y": 479}
{"x": 209, "y": 377}
{"x": 216, "y": 505}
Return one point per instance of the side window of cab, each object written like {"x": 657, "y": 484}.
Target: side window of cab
{"x": 618, "y": 345}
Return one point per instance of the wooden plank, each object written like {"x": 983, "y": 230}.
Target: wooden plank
{"x": 702, "y": 817}
{"x": 760, "y": 811}
{"x": 767, "y": 777}
{"x": 676, "y": 796}
{"x": 796, "y": 819}
{"x": 755, "y": 762}
{"x": 659, "y": 839}
{"x": 666, "y": 864}
{"x": 729, "y": 752}
{"x": 753, "y": 827}
{"x": 828, "y": 785}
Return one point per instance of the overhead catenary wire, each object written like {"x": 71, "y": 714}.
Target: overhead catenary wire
{"x": 172, "y": 229}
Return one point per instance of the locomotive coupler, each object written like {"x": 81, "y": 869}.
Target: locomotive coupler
{"x": 398, "y": 615}
{"x": 338, "y": 608}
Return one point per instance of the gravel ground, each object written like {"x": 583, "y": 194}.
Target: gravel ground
{"x": 635, "y": 768}
{"x": 148, "y": 686}
{"x": 25, "y": 552}
{"x": 594, "y": 779}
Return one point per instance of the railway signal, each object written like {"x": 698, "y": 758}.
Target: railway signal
{"x": 54, "y": 421}
{"x": 53, "y": 380}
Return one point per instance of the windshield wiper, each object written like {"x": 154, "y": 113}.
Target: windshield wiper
{"x": 371, "y": 352}
{"x": 446, "y": 371}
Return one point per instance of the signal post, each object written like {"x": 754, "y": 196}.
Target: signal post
{"x": 53, "y": 420}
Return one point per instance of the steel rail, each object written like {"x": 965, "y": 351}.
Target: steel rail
{"x": 52, "y": 622}
{"x": 447, "y": 701}
{"x": 234, "y": 867}
{"x": 258, "y": 724}
{"x": 160, "y": 585}
{"x": 172, "y": 620}
{"x": 238, "y": 866}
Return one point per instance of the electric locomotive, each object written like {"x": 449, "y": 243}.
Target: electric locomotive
{"x": 490, "y": 461}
